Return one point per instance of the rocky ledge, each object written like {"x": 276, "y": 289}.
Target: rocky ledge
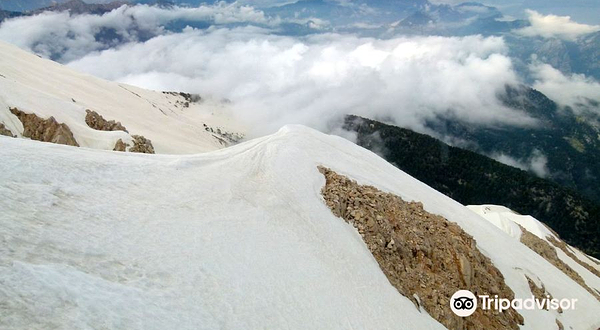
{"x": 97, "y": 122}
{"x": 424, "y": 256}
{"x": 46, "y": 130}
{"x": 5, "y": 131}
{"x": 140, "y": 144}
{"x": 548, "y": 252}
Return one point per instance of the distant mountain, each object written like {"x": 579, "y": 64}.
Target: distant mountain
{"x": 348, "y": 13}
{"x": 471, "y": 178}
{"x": 9, "y": 9}
{"x": 419, "y": 19}
{"x": 424, "y": 18}
{"x": 464, "y": 19}
{"x": 391, "y": 8}
{"x": 81, "y": 7}
{"x": 5, "y": 14}
{"x": 168, "y": 3}
{"x": 588, "y": 52}
{"x": 26, "y": 5}
{"x": 392, "y": 18}
{"x": 577, "y": 56}
{"x": 463, "y": 11}
{"x": 327, "y": 10}
{"x": 570, "y": 143}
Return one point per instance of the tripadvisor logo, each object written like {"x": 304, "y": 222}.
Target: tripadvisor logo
{"x": 464, "y": 303}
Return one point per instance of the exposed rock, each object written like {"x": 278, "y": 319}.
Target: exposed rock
{"x": 97, "y": 122}
{"x": 422, "y": 254}
{"x": 560, "y": 325}
{"x": 540, "y": 293}
{"x": 191, "y": 98}
{"x": 141, "y": 145}
{"x": 5, "y": 131}
{"x": 187, "y": 98}
{"x": 548, "y": 252}
{"x": 46, "y": 130}
{"x": 120, "y": 146}
{"x": 592, "y": 260}
{"x": 563, "y": 246}
{"x": 225, "y": 138}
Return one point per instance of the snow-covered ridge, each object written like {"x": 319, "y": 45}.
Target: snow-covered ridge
{"x": 174, "y": 123}
{"x": 509, "y": 221}
{"x": 238, "y": 238}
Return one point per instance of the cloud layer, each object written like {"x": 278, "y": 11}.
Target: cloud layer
{"x": 63, "y": 37}
{"x": 536, "y": 163}
{"x": 576, "y": 90}
{"x": 276, "y": 80}
{"x": 552, "y": 26}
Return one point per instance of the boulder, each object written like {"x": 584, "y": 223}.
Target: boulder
{"x": 46, "y": 130}
{"x": 141, "y": 145}
{"x": 97, "y": 122}
{"x": 120, "y": 146}
{"x": 5, "y": 131}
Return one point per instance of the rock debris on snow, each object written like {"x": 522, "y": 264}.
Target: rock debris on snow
{"x": 421, "y": 253}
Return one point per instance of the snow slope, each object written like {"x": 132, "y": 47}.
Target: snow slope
{"x": 509, "y": 221}
{"x": 238, "y": 238}
{"x": 506, "y": 219}
{"x": 46, "y": 88}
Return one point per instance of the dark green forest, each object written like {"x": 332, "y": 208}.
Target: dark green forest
{"x": 570, "y": 141}
{"x": 473, "y": 179}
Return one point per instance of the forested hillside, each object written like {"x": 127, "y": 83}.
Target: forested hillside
{"x": 473, "y": 179}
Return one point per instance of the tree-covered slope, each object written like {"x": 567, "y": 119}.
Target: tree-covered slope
{"x": 568, "y": 140}
{"x": 471, "y": 178}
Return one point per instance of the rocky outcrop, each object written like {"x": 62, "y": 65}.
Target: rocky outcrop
{"x": 46, "y": 130}
{"x": 592, "y": 260}
{"x": 225, "y": 138}
{"x": 563, "y": 246}
{"x": 5, "y": 131}
{"x": 424, "y": 256}
{"x": 120, "y": 146}
{"x": 540, "y": 292}
{"x": 546, "y": 251}
{"x": 187, "y": 98}
{"x": 141, "y": 145}
{"x": 97, "y": 122}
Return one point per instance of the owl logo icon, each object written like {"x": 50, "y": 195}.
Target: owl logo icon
{"x": 463, "y": 303}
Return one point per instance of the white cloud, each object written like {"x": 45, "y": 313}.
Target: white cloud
{"x": 553, "y": 26}
{"x": 72, "y": 37}
{"x": 275, "y": 80}
{"x": 575, "y": 90}
{"x": 536, "y": 163}
{"x": 508, "y": 160}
